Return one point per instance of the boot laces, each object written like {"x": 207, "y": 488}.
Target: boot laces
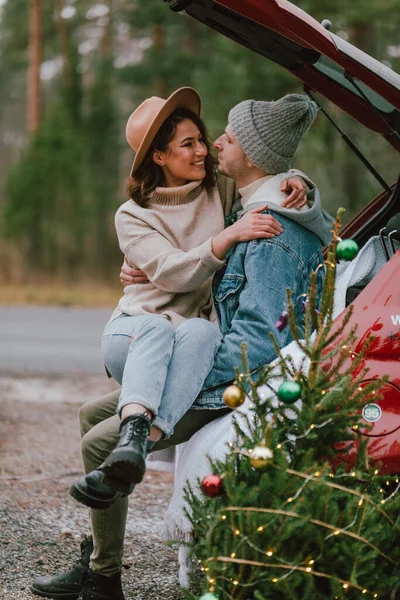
{"x": 89, "y": 588}
{"x": 137, "y": 427}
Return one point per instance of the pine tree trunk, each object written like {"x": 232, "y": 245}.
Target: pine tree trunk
{"x": 64, "y": 45}
{"x": 33, "y": 88}
{"x": 106, "y": 39}
{"x": 160, "y": 86}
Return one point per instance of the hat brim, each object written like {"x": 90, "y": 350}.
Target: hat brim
{"x": 185, "y": 97}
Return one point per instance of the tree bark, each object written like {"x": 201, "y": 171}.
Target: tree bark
{"x": 106, "y": 40}
{"x": 160, "y": 85}
{"x": 33, "y": 87}
{"x": 63, "y": 36}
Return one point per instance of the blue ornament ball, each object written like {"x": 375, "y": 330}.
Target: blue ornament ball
{"x": 209, "y": 596}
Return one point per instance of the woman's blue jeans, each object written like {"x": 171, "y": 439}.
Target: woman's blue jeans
{"x": 158, "y": 366}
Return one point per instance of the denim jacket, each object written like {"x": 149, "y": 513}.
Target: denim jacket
{"x": 250, "y": 294}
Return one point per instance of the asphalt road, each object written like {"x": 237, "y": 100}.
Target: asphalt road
{"x": 40, "y": 342}
{"x": 51, "y": 340}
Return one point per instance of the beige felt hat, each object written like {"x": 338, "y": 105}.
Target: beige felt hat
{"x": 147, "y": 119}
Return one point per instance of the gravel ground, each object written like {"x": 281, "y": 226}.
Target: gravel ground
{"x": 40, "y": 524}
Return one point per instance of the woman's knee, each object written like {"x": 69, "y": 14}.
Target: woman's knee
{"x": 201, "y": 330}
{"x": 160, "y": 325}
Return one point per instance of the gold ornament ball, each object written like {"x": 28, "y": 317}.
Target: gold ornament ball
{"x": 233, "y": 396}
{"x": 261, "y": 456}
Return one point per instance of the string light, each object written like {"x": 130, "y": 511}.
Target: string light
{"x": 291, "y": 569}
{"x": 307, "y": 567}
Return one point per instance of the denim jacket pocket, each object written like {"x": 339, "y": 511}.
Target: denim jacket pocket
{"x": 228, "y": 294}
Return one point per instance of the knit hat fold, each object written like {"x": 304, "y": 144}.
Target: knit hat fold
{"x": 269, "y": 132}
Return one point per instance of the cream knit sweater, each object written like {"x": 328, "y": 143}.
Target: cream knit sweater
{"x": 170, "y": 240}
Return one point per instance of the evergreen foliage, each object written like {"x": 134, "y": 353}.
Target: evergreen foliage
{"x": 302, "y": 524}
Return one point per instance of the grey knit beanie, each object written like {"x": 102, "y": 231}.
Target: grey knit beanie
{"x": 270, "y": 132}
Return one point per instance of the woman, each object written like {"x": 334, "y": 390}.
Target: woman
{"x": 160, "y": 342}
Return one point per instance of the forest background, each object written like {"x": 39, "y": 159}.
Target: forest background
{"x": 71, "y": 72}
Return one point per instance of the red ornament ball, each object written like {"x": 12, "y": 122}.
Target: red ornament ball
{"x": 212, "y": 486}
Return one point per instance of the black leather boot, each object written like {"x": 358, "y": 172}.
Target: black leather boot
{"x": 66, "y": 586}
{"x": 91, "y": 490}
{"x": 99, "y": 587}
{"x": 127, "y": 462}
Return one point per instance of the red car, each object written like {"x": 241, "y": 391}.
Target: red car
{"x": 370, "y": 92}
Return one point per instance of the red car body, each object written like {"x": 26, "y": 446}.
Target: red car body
{"x": 370, "y": 92}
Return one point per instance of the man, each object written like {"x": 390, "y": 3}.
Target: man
{"x": 249, "y": 294}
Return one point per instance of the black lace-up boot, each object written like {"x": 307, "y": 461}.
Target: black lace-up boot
{"x": 93, "y": 491}
{"x": 127, "y": 462}
{"x": 99, "y": 587}
{"x": 66, "y": 586}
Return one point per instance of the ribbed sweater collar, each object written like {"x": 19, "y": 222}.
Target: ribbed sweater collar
{"x": 247, "y": 192}
{"x": 173, "y": 196}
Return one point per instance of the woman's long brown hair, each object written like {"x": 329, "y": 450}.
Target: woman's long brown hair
{"x": 150, "y": 175}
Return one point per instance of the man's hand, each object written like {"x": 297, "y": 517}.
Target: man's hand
{"x": 297, "y": 190}
{"x": 128, "y": 276}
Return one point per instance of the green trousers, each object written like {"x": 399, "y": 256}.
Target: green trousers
{"x": 100, "y": 431}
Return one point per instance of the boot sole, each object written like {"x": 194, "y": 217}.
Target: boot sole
{"x": 89, "y": 501}
{"x": 54, "y": 595}
{"x": 125, "y": 465}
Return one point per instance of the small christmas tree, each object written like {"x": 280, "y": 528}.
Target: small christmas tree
{"x": 284, "y": 517}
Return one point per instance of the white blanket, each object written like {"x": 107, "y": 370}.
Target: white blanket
{"x": 211, "y": 442}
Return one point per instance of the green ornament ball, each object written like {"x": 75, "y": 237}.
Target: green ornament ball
{"x": 289, "y": 392}
{"x": 209, "y": 596}
{"x": 347, "y": 249}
